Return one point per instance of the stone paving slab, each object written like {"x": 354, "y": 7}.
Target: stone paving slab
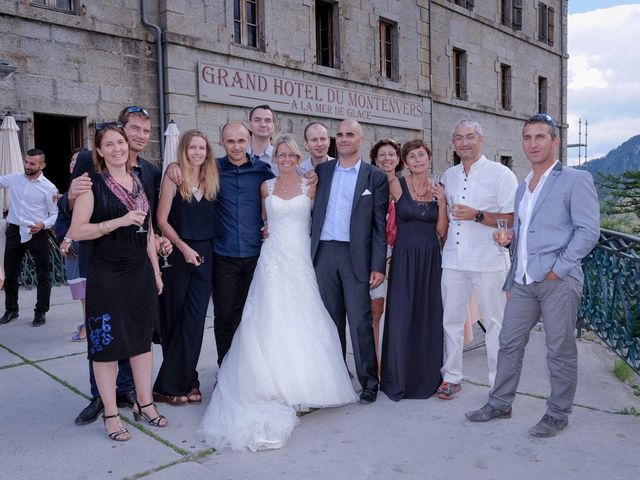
{"x": 412, "y": 439}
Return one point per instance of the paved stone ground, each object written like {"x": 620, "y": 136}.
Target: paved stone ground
{"x": 45, "y": 384}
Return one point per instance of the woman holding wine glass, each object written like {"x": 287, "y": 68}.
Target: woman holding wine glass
{"x": 185, "y": 217}
{"x": 121, "y": 293}
{"x": 412, "y": 340}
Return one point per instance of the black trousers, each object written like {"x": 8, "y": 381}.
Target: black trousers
{"x": 346, "y": 297}
{"x": 38, "y": 246}
{"x": 231, "y": 281}
{"x": 183, "y": 308}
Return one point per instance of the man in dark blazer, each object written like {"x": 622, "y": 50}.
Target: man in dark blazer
{"x": 136, "y": 123}
{"x": 348, "y": 246}
{"x": 556, "y": 224}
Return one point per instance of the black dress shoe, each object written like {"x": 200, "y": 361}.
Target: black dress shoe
{"x": 8, "y": 316}
{"x": 368, "y": 396}
{"x": 90, "y": 412}
{"x": 126, "y": 399}
{"x": 39, "y": 319}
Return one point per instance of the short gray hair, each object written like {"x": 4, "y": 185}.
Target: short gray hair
{"x": 467, "y": 122}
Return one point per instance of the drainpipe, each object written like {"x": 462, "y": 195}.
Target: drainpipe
{"x": 158, "y": 34}
{"x": 433, "y": 147}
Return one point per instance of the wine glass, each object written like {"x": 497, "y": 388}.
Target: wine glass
{"x": 502, "y": 229}
{"x": 164, "y": 255}
{"x": 140, "y": 204}
{"x": 436, "y": 180}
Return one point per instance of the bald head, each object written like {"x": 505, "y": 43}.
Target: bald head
{"x": 235, "y": 140}
{"x": 349, "y": 140}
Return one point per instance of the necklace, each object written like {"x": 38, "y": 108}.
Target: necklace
{"x": 416, "y": 195}
{"x": 195, "y": 190}
{"x": 284, "y": 186}
{"x": 533, "y": 183}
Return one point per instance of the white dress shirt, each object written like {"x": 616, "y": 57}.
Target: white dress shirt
{"x": 31, "y": 202}
{"x": 338, "y": 217}
{"x": 489, "y": 186}
{"x": 307, "y": 165}
{"x": 266, "y": 157}
{"x": 525, "y": 208}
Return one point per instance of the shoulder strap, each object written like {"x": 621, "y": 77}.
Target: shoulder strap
{"x": 271, "y": 185}
{"x": 304, "y": 185}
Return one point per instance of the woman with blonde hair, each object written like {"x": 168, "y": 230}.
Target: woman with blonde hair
{"x": 185, "y": 217}
{"x": 285, "y": 356}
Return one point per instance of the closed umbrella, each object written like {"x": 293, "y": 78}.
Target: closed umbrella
{"x": 171, "y": 138}
{"x": 10, "y": 155}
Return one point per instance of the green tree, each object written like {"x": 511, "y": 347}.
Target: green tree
{"x": 622, "y": 192}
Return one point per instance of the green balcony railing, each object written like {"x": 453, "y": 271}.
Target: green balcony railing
{"x": 28, "y": 272}
{"x": 610, "y": 305}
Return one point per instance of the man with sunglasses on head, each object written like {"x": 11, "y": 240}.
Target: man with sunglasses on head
{"x": 556, "y": 225}
{"x": 136, "y": 122}
{"x": 479, "y": 192}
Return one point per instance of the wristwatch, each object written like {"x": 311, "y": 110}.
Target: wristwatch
{"x": 480, "y": 216}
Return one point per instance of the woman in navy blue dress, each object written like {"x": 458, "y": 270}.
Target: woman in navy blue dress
{"x": 412, "y": 341}
{"x": 185, "y": 217}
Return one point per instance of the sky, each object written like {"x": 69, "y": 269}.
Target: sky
{"x": 604, "y": 74}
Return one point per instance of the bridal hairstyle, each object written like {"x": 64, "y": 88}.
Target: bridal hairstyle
{"x": 209, "y": 177}
{"x": 289, "y": 141}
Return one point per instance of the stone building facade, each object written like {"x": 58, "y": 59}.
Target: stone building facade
{"x": 405, "y": 68}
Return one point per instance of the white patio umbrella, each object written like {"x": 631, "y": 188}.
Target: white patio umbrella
{"x": 171, "y": 138}
{"x": 10, "y": 155}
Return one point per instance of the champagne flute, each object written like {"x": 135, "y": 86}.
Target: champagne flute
{"x": 436, "y": 180}
{"x": 164, "y": 255}
{"x": 140, "y": 204}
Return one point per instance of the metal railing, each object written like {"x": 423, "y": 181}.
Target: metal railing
{"x": 610, "y": 306}
{"x": 28, "y": 277}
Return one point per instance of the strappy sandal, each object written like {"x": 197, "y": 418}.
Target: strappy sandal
{"x": 170, "y": 399}
{"x": 194, "y": 392}
{"x": 121, "y": 435}
{"x": 156, "y": 421}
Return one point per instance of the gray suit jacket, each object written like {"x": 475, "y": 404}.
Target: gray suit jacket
{"x": 368, "y": 237}
{"x": 564, "y": 226}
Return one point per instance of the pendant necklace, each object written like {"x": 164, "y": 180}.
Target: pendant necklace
{"x": 417, "y": 195}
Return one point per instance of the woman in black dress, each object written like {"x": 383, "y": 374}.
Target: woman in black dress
{"x": 185, "y": 216}
{"x": 412, "y": 341}
{"x": 122, "y": 290}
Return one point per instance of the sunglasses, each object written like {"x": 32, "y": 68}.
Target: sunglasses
{"x": 542, "y": 117}
{"x": 103, "y": 125}
{"x": 136, "y": 109}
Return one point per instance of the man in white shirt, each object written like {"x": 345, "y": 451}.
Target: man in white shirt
{"x": 32, "y": 213}
{"x": 557, "y": 223}
{"x": 262, "y": 125}
{"x": 479, "y": 192}
{"x": 316, "y": 142}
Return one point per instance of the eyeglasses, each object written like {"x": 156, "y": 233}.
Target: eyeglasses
{"x": 469, "y": 138}
{"x": 136, "y": 109}
{"x": 292, "y": 156}
{"x": 103, "y": 125}
{"x": 542, "y": 117}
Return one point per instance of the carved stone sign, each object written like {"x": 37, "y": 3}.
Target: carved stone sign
{"x": 246, "y": 88}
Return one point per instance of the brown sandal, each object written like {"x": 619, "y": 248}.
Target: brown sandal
{"x": 194, "y": 392}
{"x": 170, "y": 399}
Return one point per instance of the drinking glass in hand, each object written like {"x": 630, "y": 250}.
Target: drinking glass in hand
{"x": 140, "y": 204}
{"x": 164, "y": 255}
{"x": 502, "y": 235}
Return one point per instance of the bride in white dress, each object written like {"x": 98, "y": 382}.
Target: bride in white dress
{"x": 286, "y": 355}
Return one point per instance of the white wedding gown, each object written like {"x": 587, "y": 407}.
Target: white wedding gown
{"x": 286, "y": 355}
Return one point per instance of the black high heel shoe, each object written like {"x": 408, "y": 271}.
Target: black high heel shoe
{"x": 121, "y": 435}
{"x": 152, "y": 421}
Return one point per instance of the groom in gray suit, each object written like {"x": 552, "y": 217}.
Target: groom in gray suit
{"x": 349, "y": 246}
{"x": 556, "y": 224}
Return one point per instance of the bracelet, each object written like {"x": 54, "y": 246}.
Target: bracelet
{"x": 158, "y": 274}
{"x": 104, "y": 228}
{"x": 67, "y": 240}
